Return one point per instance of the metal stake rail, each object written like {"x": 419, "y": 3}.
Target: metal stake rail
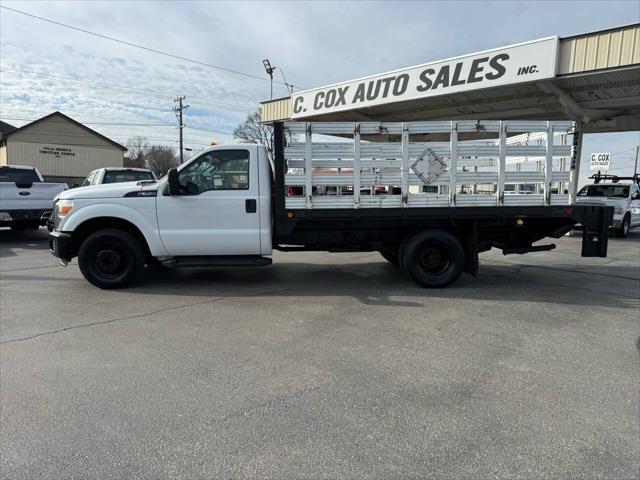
{"x": 394, "y": 163}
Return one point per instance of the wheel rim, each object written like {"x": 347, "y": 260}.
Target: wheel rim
{"x": 625, "y": 227}
{"x": 435, "y": 259}
{"x": 110, "y": 261}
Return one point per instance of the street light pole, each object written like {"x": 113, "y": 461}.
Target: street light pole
{"x": 270, "y": 70}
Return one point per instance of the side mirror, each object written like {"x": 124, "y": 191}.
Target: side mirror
{"x": 174, "y": 181}
{"x": 635, "y": 196}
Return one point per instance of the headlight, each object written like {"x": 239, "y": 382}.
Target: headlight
{"x": 64, "y": 207}
{"x": 619, "y": 210}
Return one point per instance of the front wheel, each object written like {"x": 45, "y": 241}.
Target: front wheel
{"x": 623, "y": 232}
{"x": 433, "y": 258}
{"x": 111, "y": 258}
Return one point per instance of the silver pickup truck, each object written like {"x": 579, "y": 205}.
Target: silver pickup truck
{"x": 26, "y": 199}
{"x": 621, "y": 193}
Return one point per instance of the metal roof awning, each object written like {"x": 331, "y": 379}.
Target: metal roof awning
{"x": 593, "y": 79}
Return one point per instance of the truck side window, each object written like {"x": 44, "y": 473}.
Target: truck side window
{"x": 217, "y": 170}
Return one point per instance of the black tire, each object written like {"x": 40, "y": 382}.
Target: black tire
{"x": 390, "y": 255}
{"x": 623, "y": 231}
{"x": 433, "y": 258}
{"x": 111, "y": 258}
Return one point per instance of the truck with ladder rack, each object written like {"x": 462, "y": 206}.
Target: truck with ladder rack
{"x": 429, "y": 196}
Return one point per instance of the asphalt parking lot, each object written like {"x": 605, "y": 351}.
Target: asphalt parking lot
{"x": 322, "y": 366}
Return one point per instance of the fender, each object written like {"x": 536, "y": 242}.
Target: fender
{"x": 147, "y": 224}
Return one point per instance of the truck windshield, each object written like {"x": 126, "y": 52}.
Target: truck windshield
{"x": 621, "y": 191}
{"x": 118, "y": 176}
{"x": 18, "y": 175}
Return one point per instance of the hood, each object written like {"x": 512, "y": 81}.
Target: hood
{"x": 109, "y": 190}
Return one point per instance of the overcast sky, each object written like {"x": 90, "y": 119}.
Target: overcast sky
{"x": 47, "y": 67}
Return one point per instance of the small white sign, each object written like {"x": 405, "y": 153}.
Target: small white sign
{"x": 525, "y": 62}
{"x": 600, "y": 161}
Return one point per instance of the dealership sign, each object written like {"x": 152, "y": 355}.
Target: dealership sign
{"x": 525, "y": 62}
{"x": 600, "y": 161}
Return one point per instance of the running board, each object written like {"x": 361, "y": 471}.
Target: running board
{"x": 218, "y": 261}
{"x": 521, "y": 250}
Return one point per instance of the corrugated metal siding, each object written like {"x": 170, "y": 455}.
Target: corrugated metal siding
{"x": 84, "y": 158}
{"x": 276, "y": 110}
{"x": 600, "y": 50}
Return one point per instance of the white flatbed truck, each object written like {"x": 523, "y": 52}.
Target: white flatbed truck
{"x": 429, "y": 196}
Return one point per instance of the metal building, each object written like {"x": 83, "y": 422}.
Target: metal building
{"x": 63, "y": 149}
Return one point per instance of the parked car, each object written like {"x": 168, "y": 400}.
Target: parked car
{"x": 26, "y": 199}
{"x": 621, "y": 193}
{"x": 117, "y": 175}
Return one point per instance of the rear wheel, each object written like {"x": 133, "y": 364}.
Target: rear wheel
{"x": 111, "y": 258}
{"x": 623, "y": 232}
{"x": 434, "y": 258}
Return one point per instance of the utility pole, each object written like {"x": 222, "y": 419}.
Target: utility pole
{"x": 178, "y": 111}
{"x": 635, "y": 168}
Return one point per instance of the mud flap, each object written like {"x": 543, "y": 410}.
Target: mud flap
{"x": 596, "y": 223}
{"x": 471, "y": 262}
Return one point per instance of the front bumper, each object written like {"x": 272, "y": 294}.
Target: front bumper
{"x": 60, "y": 245}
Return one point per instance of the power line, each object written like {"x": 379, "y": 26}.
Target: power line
{"x": 208, "y": 130}
{"x": 96, "y": 123}
{"x": 82, "y": 82}
{"x": 142, "y": 47}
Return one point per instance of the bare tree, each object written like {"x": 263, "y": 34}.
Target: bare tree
{"x": 252, "y": 131}
{"x": 160, "y": 159}
{"x": 137, "y": 149}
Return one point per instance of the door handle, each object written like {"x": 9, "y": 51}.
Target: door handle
{"x": 250, "y": 205}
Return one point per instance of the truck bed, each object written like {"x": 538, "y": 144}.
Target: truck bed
{"x": 504, "y": 184}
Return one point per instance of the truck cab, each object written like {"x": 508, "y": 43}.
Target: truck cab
{"x": 215, "y": 208}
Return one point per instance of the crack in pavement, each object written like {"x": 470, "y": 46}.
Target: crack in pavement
{"x": 28, "y": 268}
{"x": 112, "y": 320}
{"x": 518, "y": 270}
{"x": 282, "y": 399}
{"x": 624, "y": 277}
{"x": 139, "y": 315}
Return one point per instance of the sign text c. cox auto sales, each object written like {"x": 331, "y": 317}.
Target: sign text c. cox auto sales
{"x": 519, "y": 63}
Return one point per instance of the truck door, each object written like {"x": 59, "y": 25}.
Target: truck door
{"x": 217, "y": 213}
